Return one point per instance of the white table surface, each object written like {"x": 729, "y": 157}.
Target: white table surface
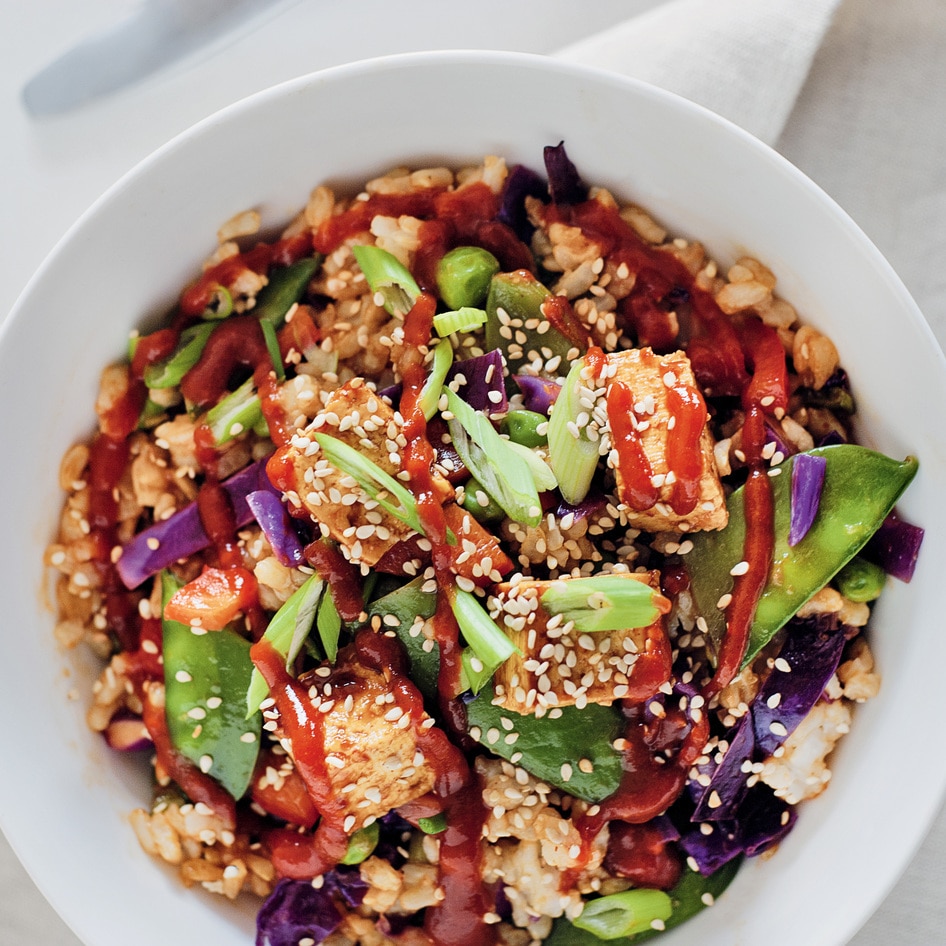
{"x": 869, "y": 128}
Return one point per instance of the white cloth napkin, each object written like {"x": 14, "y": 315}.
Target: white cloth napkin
{"x": 744, "y": 59}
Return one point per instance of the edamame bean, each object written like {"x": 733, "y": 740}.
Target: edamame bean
{"x": 463, "y": 276}
{"x": 523, "y": 427}
{"x": 479, "y": 504}
{"x": 860, "y": 580}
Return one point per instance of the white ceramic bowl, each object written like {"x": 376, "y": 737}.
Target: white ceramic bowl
{"x": 64, "y": 798}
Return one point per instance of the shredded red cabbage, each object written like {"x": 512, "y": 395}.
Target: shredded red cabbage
{"x": 895, "y": 547}
{"x": 182, "y": 535}
{"x": 590, "y": 506}
{"x": 565, "y": 184}
{"x": 484, "y": 389}
{"x": 296, "y": 910}
{"x": 809, "y": 657}
{"x": 807, "y": 481}
{"x": 277, "y": 525}
{"x": 763, "y": 821}
{"x": 538, "y": 394}
{"x": 521, "y": 182}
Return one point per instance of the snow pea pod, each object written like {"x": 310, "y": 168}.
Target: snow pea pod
{"x": 206, "y": 676}
{"x": 693, "y": 893}
{"x": 521, "y": 297}
{"x": 860, "y": 488}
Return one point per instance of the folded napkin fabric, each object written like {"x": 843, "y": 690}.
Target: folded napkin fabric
{"x": 744, "y": 59}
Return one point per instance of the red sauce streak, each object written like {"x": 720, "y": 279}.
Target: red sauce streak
{"x": 651, "y": 782}
{"x": 563, "y": 318}
{"x": 215, "y": 511}
{"x": 342, "y": 577}
{"x": 713, "y": 347}
{"x": 197, "y": 786}
{"x": 357, "y": 219}
{"x": 757, "y": 551}
{"x": 595, "y": 359}
{"x": 303, "y": 856}
{"x": 639, "y": 853}
{"x": 152, "y": 348}
{"x": 236, "y": 342}
{"x": 458, "y": 919}
{"x": 108, "y": 461}
{"x": 196, "y": 298}
{"x": 638, "y": 489}
{"x": 684, "y": 457}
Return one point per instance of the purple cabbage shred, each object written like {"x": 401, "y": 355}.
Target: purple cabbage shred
{"x": 807, "y": 482}
{"x": 565, "y": 184}
{"x": 895, "y": 547}
{"x": 521, "y": 182}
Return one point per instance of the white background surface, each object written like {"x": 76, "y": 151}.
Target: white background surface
{"x": 869, "y": 128}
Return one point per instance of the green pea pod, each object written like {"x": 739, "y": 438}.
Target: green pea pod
{"x": 403, "y": 605}
{"x": 285, "y": 287}
{"x": 693, "y": 893}
{"x": 520, "y": 296}
{"x": 205, "y": 680}
{"x": 860, "y": 489}
{"x": 551, "y": 747}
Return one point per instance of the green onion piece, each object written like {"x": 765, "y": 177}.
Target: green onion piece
{"x": 221, "y": 305}
{"x": 372, "y": 479}
{"x": 329, "y": 625}
{"x": 286, "y": 633}
{"x": 238, "y": 411}
{"x": 573, "y": 459}
{"x": 433, "y": 825}
{"x": 168, "y": 372}
{"x": 624, "y": 914}
{"x": 504, "y": 475}
{"x": 150, "y": 414}
{"x": 489, "y": 645}
{"x": 272, "y": 346}
{"x": 285, "y": 288}
{"x": 542, "y": 474}
{"x": 465, "y": 319}
{"x": 430, "y": 392}
{"x": 362, "y": 843}
{"x": 602, "y": 602}
{"x": 387, "y": 275}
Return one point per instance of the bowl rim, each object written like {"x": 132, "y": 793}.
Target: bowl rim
{"x": 922, "y": 816}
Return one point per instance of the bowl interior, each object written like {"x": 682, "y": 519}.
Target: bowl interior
{"x": 65, "y": 801}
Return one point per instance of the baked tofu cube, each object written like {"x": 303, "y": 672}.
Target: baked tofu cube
{"x": 357, "y": 416}
{"x": 561, "y": 666}
{"x": 662, "y": 449}
{"x": 372, "y": 758}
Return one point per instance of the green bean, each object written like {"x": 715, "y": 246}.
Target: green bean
{"x": 860, "y": 580}
{"x": 523, "y": 427}
{"x": 463, "y": 276}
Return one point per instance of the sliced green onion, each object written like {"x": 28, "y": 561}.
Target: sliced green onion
{"x": 240, "y": 410}
{"x": 221, "y": 305}
{"x": 504, "y": 475}
{"x": 372, "y": 479}
{"x": 168, "y": 372}
{"x": 602, "y": 602}
{"x": 362, "y": 844}
{"x": 286, "y": 633}
{"x": 489, "y": 647}
{"x": 272, "y": 346}
{"x": 573, "y": 459}
{"x": 433, "y": 825}
{"x": 465, "y": 319}
{"x": 329, "y": 625}
{"x": 624, "y": 914}
{"x": 542, "y": 474}
{"x": 430, "y": 392}
{"x": 387, "y": 275}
